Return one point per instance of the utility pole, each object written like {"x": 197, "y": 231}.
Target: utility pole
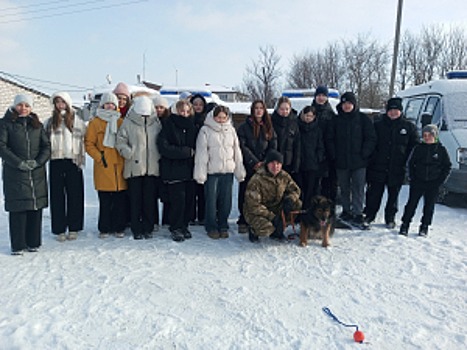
{"x": 396, "y": 48}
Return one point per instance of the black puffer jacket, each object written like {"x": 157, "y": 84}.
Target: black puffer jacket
{"x": 395, "y": 141}
{"x": 288, "y": 140}
{"x": 326, "y": 118}
{"x": 19, "y": 140}
{"x": 176, "y": 143}
{"x": 312, "y": 147}
{"x": 354, "y": 140}
{"x": 429, "y": 163}
{"x": 253, "y": 150}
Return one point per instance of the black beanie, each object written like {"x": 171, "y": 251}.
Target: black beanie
{"x": 273, "y": 155}
{"x": 321, "y": 89}
{"x": 394, "y": 103}
{"x": 349, "y": 97}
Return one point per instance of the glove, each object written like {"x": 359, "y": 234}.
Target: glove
{"x": 287, "y": 206}
{"x": 24, "y": 166}
{"x": 32, "y": 164}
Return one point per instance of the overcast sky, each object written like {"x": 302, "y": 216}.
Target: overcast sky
{"x": 189, "y": 42}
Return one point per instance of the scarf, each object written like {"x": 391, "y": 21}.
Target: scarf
{"x": 57, "y": 141}
{"x": 111, "y": 117}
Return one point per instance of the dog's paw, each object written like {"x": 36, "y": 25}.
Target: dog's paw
{"x": 325, "y": 244}
{"x": 303, "y": 244}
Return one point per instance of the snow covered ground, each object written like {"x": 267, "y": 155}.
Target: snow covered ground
{"x": 404, "y": 293}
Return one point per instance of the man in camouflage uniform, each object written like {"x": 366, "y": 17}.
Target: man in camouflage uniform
{"x": 270, "y": 191}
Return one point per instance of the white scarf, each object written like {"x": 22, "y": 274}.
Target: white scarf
{"x": 111, "y": 117}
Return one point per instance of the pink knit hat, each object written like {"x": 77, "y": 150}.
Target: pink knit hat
{"x": 122, "y": 89}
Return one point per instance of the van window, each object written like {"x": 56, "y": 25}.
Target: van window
{"x": 412, "y": 110}
{"x": 433, "y": 107}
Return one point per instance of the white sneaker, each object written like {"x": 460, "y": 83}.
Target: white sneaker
{"x": 119, "y": 234}
{"x": 103, "y": 235}
{"x": 72, "y": 235}
{"x": 61, "y": 237}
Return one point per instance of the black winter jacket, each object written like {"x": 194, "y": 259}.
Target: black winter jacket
{"x": 253, "y": 150}
{"x": 395, "y": 141}
{"x": 176, "y": 143}
{"x": 429, "y": 163}
{"x": 326, "y": 118}
{"x": 288, "y": 140}
{"x": 19, "y": 140}
{"x": 354, "y": 139}
{"x": 312, "y": 147}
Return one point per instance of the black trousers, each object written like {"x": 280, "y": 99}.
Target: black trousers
{"x": 181, "y": 201}
{"x": 112, "y": 216}
{"x": 329, "y": 185}
{"x": 241, "y": 200}
{"x": 25, "y": 229}
{"x": 309, "y": 185}
{"x": 199, "y": 206}
{"x": 66, "y": 196}
{"x": 142, "y": 191}
{"x": 429, "y": 192}
{"x": 374, "y": 195}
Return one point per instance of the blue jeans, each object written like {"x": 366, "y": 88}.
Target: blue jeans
{"x": 218, "y": 196}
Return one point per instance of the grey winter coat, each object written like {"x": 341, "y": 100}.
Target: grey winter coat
{"x": 19, "y": 140}
{"x": 137, "y": 143}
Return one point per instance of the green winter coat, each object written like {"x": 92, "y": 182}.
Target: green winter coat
{"x": 19, "y": 140}
{"x": 264, "y": 198}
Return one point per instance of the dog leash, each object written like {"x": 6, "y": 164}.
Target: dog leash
{"x": 293, "y": 214}
{"x": 358, "y": 336}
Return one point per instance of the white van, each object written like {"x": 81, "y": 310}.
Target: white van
{"x": 300, "y": 98}
{"x": 444, "y": 103}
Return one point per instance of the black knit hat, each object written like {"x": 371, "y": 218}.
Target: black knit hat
{"x": 321, "y": 89}
{"x": 394, "y": 103}
{"x": 349, "y": 97}
{"x": 272, "y": 156}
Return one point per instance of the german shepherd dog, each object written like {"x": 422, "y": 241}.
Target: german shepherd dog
{"x": 318, "y": 221}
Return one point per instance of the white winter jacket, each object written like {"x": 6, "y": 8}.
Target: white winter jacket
{"x": 217, "y": 151}
{"x": 136, "y": 142}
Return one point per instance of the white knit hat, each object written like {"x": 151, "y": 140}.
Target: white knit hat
{"x": 159, "y": 100}
{"x": 65, "y": 96}
{"x": 23, "y": 98}
{"x": 108, "y": 97}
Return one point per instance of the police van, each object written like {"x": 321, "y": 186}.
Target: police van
{"x": 300, "y": 98}
{"x": 444, "y": 103}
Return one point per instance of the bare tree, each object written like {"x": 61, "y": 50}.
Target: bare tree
{"x": 366, "y": 70}
{"x": 454, "y": 53}
{"x": 261, "y": 79}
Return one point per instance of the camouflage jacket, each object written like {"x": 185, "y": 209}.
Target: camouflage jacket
{"x": 265, "y": 194}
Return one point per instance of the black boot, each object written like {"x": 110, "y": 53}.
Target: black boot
{"x": 251, "y": 236}
{"x": 404, "y": 230}
{"x": 423, "y": 230}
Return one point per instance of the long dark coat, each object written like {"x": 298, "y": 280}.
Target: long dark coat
{"x": 176, "y": 142}
{"x": 396, "y": 139}
{"x": 19, "y": 140}
{"x": 288, "y": 140}
{"x": 254, "y": 150}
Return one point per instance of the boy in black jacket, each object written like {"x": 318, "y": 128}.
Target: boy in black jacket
{"x": 429, "y": 166}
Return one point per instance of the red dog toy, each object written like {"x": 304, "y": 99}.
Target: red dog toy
{"x": 358, "y": 336}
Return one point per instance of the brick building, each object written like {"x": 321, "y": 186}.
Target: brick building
{"x": 9, "y": 89}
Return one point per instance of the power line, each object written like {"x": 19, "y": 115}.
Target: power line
{"x": 32, "y": 5}
{"x": 22, "y": 12}
{"x": 74, "y": 12}
{"x": 40, "y": 80}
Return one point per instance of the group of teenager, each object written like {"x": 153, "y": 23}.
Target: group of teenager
{"x": 187, "y": 155}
